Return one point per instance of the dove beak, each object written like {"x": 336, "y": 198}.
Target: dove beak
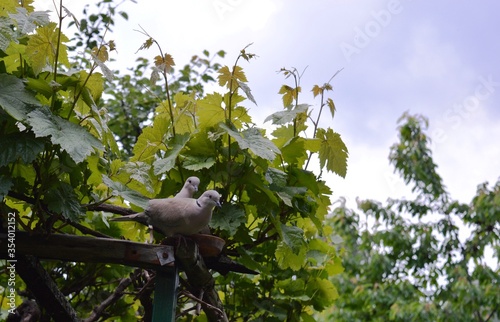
{"x": 218, "y": 204}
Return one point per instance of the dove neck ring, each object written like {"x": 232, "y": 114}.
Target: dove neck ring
{"x": 198, "y": 203}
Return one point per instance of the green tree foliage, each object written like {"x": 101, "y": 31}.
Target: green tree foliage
{"x": 65, "y": 148}
{"x": 406, "y": 260}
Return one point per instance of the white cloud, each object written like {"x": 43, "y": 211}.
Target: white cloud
{"x": 430, "y": 56}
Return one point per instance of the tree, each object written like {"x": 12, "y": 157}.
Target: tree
{"x": 62, "y": 154}
{"x": 405, "y": 260}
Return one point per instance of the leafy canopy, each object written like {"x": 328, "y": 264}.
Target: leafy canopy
{"x": 409, "y": 259}
{"x": 74, "y": 136}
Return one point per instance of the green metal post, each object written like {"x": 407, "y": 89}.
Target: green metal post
{"x": 165, "y": 297}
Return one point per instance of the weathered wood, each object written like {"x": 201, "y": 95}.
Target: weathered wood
{"x": 200, "y": 279}
{"x": 44, "y": 289}
{"x": 91, "y": 249}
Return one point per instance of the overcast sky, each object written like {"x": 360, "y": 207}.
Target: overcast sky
{"x": 436, "y": 58}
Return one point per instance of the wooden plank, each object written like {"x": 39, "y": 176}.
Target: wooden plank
{"x": 91, "y": 249}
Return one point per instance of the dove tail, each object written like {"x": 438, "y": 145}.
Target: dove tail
{"x": 139, "y": 217}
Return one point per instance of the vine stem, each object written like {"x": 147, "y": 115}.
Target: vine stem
{"x": 228, "y": 119}
{"x": 56, "y": 54}
{"x": 322, "y": 105}
{"x": 164, "y": 74}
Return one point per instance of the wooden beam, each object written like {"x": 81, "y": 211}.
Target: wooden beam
{"x": 91, "y": 249}
{"x": 45, "y": 289}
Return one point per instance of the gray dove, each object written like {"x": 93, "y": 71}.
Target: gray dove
{"x": 190, "y": 187}
{"x": 185, "y": 216}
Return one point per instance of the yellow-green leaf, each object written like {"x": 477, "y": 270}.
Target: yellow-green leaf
{"x": 230, "y": 79}
{"x": 331, "y": 105}
{"x": 333, "y": 152}
{"x": 112, "y": 45}
{"x": 224, "y": 76}
{"x": 151, "y": 140}
{"x": 42, "y": 48}
{"x": 210, "y": 111}
{"x": 288, "y": 259}
{"x": 289, "y": 94}
{"x": 238, "y": 74}
{"x": 165, "y": 63}
{"x": 8, "y": 6}
{"x": 148, "y": 43}
{"x": 101, "y": 53}
{"x": 317, "y": 90}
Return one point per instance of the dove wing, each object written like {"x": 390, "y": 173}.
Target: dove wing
{"x": 174, "y": 215}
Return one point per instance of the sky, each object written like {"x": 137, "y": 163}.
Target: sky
{"x": 435, "y": 58}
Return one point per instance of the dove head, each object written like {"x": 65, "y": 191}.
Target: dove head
{"x": 192, "y": 184}
{"x": 209, "y": 198}
{"x": 189, "y": 188}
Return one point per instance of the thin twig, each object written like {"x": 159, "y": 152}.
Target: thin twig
{"x": 194, "y": 298}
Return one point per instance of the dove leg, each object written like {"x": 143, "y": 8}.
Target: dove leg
{"x": 151, "y": 231}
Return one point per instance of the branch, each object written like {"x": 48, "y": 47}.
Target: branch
{"x": 491, "y": 314}
{"x": 87, "y": 230}
{"x": 203, "y": 303}
{"x": 110, "y": 208}
{"x": 98, "y": 206}
{"x": 113, "y": 298}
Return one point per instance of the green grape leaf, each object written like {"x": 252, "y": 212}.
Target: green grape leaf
{"x": 210, "y": 111}
{"x": 288, "y": 193}
{"x": 168, "y": 162}
{"x": 229, "y": 218}
{"x": 276, "y": 177}
{"x": 333, "y": 152}
{"x": 293, "y": 236}
{"x": 62, "y": 199}
{"x": 5, "y": 183}
{"x": 27, "y": 22}
{"x": 72, "y": 138}
{"x": 7, "y": 35}
{"x": 121, "y": 190}
{"x": 14, "y": 98}
{"x": 151, "y": 139}
{"x": 247, "y": 91}
{"x": 294, "y": 151}
{"x": 105, "y": 69}
{"x": 292, "y": 288}
{"x": 322, "y": 292}
{"x": 253, "y": 140}
{"x": 195, "y": 163}
{"x": 42, "y": 46}
{"x": 287, "y": 258}
{"x": 22, "y": 146}
{"x": 139, "y": 171}
{"x": 283, "y": 117}
{"x": 283, "y": 135}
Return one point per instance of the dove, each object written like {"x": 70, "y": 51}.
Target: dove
{"x": 173, "y": 216}
{"x": 190, "y": 187}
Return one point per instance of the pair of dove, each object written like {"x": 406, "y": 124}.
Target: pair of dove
{"x": 180, "y": 215}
